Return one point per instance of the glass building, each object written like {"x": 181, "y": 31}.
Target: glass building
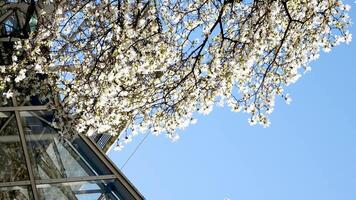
{"x": 36, "y": 164}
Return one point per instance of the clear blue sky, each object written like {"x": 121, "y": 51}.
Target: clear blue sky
{"x": 308, "y": 153}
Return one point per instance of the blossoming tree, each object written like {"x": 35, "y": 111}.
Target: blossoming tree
{"x": 150, "y": 65}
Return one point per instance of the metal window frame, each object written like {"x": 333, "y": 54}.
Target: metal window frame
{"x": 15, "y": 183}
{"x": 25, "y": 149}
{"x": 75, "y": 179}
{"x": 33, "y": 182}
{"x": 113, "y": 168}
{"x": 23, "y": 108}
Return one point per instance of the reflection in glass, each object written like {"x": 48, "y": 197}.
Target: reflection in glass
{"x": 50, "y": 157}
{"x": 93, "y": 190}
{"x": 12, "y": 161}
{"x": 16, "y": 192}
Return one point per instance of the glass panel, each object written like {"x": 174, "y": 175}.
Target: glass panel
{"x": 51, "y": 157}
{"x": 11, "y": 25}
{"x": 36, "y": 101}
{"x": 86, "y": 190}
{"x": 16, "y": 192}
{"x": 85, "y": 151}
{"x": 33, "y": 23}
{"x": 12, "y": 160}
{"x": 38, "y": 123}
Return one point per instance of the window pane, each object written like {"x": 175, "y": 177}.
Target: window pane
{"x": 17, "y": 192}
{"x": 12, "y": 160}
{"x": 51, "y": 157}
{"x": 88, "y": 190}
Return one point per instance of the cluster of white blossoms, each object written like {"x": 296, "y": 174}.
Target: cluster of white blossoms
{"x": 150, "y": 66}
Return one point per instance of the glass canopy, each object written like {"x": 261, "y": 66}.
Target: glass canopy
{"x": 35, "y": 164}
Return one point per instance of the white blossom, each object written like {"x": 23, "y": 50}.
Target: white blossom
{"x": 21, "y": 75}
{"x": 8, "y": 94}
{"x": 118, "y": 147}
{"x": 150, "y": 66}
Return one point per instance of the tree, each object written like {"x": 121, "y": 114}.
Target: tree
{"x": 149, "y": 65}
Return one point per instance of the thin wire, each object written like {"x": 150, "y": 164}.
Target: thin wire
{"x": 137, "y": 147}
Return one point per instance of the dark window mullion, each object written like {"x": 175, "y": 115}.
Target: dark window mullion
{"x": 25, "y": 150}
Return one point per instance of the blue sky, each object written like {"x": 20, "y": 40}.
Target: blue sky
{"x": 308, "y": 152}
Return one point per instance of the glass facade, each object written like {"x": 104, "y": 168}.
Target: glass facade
{"x": 12, "y": 160}
{"x": 36, "y": 164}
{"x": 16, "y": 192}
{"x": 51, "y": 158}
{"x": 88, "y": 190}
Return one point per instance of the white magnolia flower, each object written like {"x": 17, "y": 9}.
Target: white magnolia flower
{"x": 8, "y": 94}
{"x": 288, "y": 98}
{"x": 152, "y": 67}
{"x": 21, "y": 75}
{"x": 118, "y": 147}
